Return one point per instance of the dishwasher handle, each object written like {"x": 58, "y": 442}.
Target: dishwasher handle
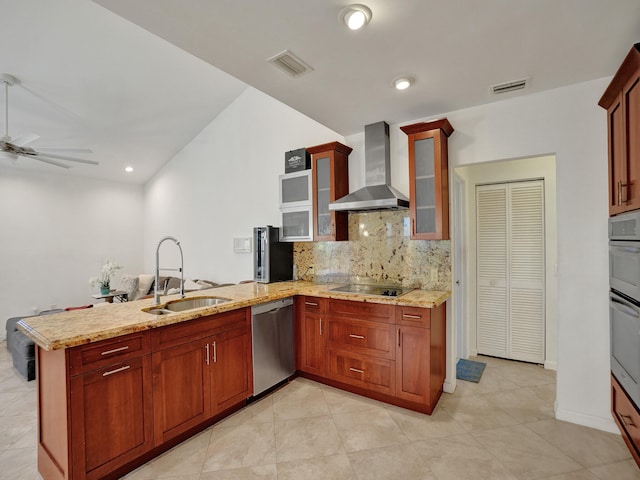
{"x": 270, "y": 306}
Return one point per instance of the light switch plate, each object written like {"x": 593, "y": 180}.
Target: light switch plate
{"x": 242, "y": 244}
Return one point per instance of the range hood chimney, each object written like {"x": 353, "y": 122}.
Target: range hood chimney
{"x": 377, "y": 194}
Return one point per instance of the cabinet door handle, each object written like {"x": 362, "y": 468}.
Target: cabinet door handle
{"x": 413, "y": 226}
{"x": 121, "y": 369}
{"x": 109, "y": 352}
{"x": 215, "y": 353}
{"x": 626, "y": 419}
{"x": 320, "y": 326}
{"x": 399, "y": 337}
{"x": 356, "y": 336}
{"x": 357, "y": 370}
{"x": 311, "y": 304}
{"x": 206, "y": 349}
{"x": 408, "y": 315}
{"x": 620, "y": 187}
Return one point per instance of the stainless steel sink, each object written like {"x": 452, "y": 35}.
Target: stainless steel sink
{"x": 194, "y": 302}
{"x": 184, "y": 304}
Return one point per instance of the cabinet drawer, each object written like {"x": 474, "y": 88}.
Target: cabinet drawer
{"x": 96, "y": 355}
{"x": 314, "y": 304}
{"x": 413, "y": 316}
{"x": 372, "y": 373}
{"x": 363, "y": 310}
{"x": 625, "y": 414}
{"x": 362, "y": 336}
{"x": 188, "y": 331}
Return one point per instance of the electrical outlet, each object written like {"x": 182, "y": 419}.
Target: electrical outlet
{"x": 434, "y": 274}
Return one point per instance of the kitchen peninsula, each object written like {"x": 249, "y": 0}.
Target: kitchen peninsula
{"x": 117, "y": 385}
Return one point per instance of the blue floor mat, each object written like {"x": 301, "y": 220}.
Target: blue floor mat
{"x": 469, "y": 370}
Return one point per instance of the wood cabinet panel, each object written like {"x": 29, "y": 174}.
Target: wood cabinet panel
{"x": 181, "y": 389}
{"x": 413, "y": 364}
{"x": 621, "y": 99}
{"x": 362, "y": 310}
{"x": 364, "y": 371}
{"x": 97, "y": 355}
{"x": 112, "y": 421}
{"x": 231, "y": 368}
{"x": 361, "y": 336}
{"x": 413, "y": 316}
{"x": 167, "y": 337}
{"x": 627, "y": 418}
{"x": 429, "y": 179}
{"x": 330, "y": 180}
{"x": 312, "y": 349}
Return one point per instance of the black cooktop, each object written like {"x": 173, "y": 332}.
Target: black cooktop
{"x": 379, "y": 290}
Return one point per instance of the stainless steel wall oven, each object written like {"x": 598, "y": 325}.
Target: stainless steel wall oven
{"x": 624, "y": 301}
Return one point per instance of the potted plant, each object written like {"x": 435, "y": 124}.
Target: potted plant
{"x": 108, "y": 270}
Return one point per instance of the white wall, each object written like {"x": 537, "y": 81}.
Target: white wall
{"x": 56, "y": 233}
{"x": 224, "y": 183}
{"x": 568, "y": 123}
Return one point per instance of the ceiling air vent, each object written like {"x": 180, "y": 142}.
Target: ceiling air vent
{"x": 509, "y": 86}
{"x": 289, "y": 64}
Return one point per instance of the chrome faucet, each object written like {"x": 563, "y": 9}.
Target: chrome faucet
{"x": 156, "y": 296}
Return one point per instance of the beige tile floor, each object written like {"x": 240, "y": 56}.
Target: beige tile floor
{"x": 500, "y": 429}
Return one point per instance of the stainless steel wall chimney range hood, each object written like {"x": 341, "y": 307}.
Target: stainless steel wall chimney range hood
{"x": 377, "y": 194}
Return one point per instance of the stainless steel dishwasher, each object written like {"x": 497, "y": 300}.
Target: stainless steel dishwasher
{"x": 272, "y": 341}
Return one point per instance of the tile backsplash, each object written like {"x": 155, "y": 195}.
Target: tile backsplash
{"x": 378, "y": 251}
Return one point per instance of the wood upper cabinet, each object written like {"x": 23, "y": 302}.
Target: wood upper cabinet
{"x": 621, "y": 99}
{"x": 429, "y": 179}
{"x": 111, "y": 404}
{"x": 330, "y": 181}
{"x": 200, "y": 368}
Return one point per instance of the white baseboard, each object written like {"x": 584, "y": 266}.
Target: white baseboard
{"x": 551, "y": 365}
{"x": 604, "y": 424}
{"x": 449, "y": 387}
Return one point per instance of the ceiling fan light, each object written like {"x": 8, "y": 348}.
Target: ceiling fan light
{"x": 12, "y": 157}
{"x": 355, "y": 16}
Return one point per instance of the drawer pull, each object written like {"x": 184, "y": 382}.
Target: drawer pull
{"x": 356, "y": 336}
{"x": 121, "y": 369}
{"x": 311, "y": 304}
{"x": 626, "y": 419}
{"x": 357, "y": 370}
{"x": 109, "y": 352}
{"x": 408, "y": 315}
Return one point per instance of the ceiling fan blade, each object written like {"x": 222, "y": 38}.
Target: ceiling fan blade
{"x": 64, "y": 157}
{"x": 64, "y": 149}
{"x": 50, "y": 162}
{"x": 23, "y": 140}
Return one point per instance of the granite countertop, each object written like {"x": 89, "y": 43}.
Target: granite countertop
{"x": 78, "y": 327}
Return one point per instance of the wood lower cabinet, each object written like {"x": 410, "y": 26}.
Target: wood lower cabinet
{"x": 112, "y": 416}
{"x": 200, "y": 376}
{"x": 105, "y": 407}
{"x": 310, "y": 321}
{"x": 95, "y": 407}
{"x": 392, "y": 353}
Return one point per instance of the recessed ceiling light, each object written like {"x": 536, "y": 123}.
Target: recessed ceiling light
{"x": 355, "y": 16}
{"x": 128, "y": 169}
{"x": 403, "y": 83}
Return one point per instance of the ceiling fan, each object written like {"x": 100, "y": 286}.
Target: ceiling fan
{"x": 12, "y": 149}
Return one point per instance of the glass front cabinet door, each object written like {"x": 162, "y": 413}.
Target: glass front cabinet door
{"x": 429, "y": 179}
{"x": 329, "y": 164}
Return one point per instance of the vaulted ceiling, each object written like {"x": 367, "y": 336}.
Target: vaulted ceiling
{"x": 137, "y": 80}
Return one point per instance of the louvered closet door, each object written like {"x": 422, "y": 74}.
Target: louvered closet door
{"x": 510, "y": 256}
